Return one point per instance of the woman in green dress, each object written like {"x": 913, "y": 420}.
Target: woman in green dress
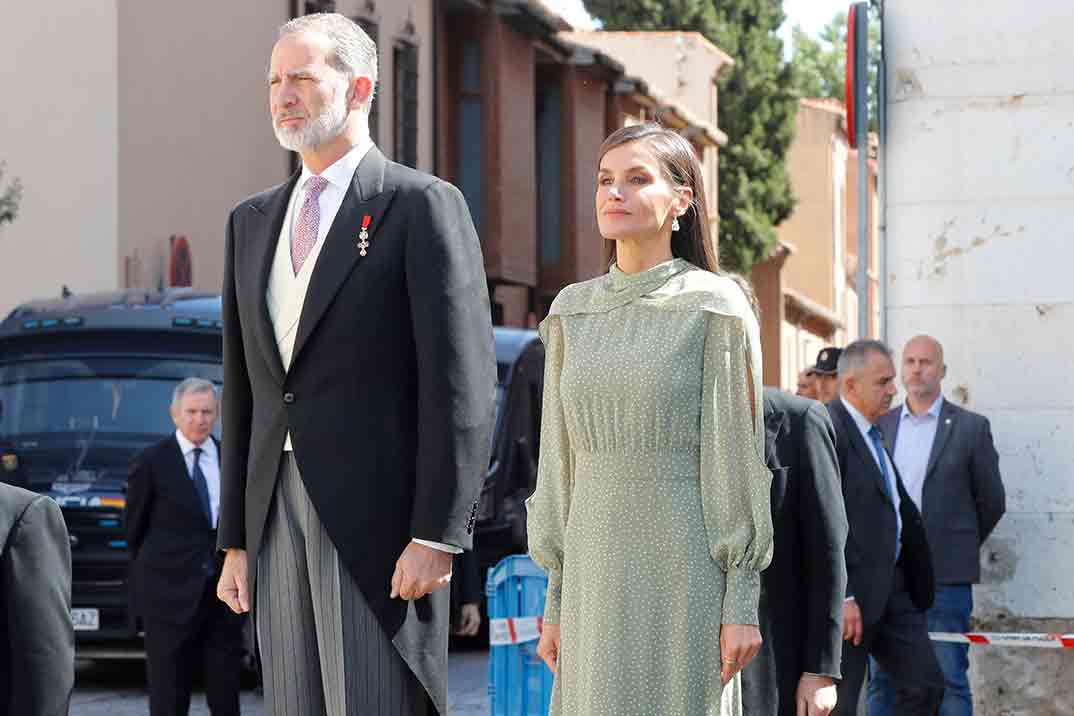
{"x": 651, "y": 514}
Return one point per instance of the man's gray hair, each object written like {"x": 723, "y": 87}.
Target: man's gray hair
{"x": 353, "y": 52}
{"x": 855, "y": 355}
{"x": 192, "y": 385}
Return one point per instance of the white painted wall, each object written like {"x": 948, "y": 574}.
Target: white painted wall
{"x": 195, "y": 132}
{"x": 980, "y": 254}
{"x": 58, "y": 134}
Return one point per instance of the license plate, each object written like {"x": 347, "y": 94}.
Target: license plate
{"x": 86, "y": 619}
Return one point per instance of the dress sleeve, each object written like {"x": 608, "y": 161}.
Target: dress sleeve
{"x": 735, "y": 484}
{"x": 549, "y": 506}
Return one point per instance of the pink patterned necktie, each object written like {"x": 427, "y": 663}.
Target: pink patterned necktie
{"x": 309, "y": 219}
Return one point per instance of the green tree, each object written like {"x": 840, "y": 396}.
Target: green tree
{"x": 9, "y": 198}
{"x": 820, "y": 62}
{"x": 757, "y": 106}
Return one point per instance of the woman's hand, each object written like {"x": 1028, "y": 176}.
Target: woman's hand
{"x": 548, "y": 646}
{"x": 739, "y": 643}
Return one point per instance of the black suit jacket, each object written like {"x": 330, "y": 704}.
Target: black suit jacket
{"x": 870, "y": 549}
{"x": 390, "y": 393}
{"x": 801, "y": 606}
{"x": 963, "y": 498}
{"x": 37, "y": 640}
{"x": 170, "y": 540}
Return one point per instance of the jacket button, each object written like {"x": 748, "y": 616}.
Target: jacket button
{"x": 288, "y": 398}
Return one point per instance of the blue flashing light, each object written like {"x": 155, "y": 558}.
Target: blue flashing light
{"x": 182, "y": 322}
{"x": 118, "y": 544}
{"x": 50, "y": 323}
{"x": 73, "y": 321}
{"x": 31, "y": 324}
{"x": 108, "y": 523}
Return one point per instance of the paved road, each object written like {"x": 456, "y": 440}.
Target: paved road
{"x": 118, "y": 689}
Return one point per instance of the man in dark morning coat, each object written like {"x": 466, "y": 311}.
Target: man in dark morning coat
{"x": 173, "y": 501}
{"x": 360, "y": 378}
{"x": 37, "y": 639}
{"x": 801, "y": 606}
{"x": 890, "y": 580}
{"x": 951, "y": 469}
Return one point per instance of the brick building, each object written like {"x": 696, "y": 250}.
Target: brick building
{"x": 806, "y": 288}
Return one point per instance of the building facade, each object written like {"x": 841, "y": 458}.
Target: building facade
{"x": 979, "y": 201}
{"x": 524, "y": 104}
{"x": 132, "y": 146}
{"x": 807, "y": 287}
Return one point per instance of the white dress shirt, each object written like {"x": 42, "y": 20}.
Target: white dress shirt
{"x": 210, "y": 467}
{"x": 864, "y": 426}
{"x": 916, "y": 435}
{"x": 287, "y": 291}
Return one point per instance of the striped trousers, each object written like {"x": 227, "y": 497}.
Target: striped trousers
{"x": 322, "y": 650}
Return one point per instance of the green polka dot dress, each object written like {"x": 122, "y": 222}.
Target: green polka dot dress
{"x": 651, "y": 514}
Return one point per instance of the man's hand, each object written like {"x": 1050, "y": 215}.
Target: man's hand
{"x": 816, "y": 695}
{"x": 469, "y": 620}
{"x": 852, "y": 622}
{"x": 420, "y": 570}
{"x": 232, "y": 588}
{"x": 548, "y": 646}
{"x": 739, "y": 643}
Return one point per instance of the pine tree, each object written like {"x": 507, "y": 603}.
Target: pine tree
{"x": 756, "y": 109}
{"x": 820, "y": 67}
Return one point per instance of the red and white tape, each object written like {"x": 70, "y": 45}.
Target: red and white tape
{"x": 1040, "y": 641}
{"x": 517, "y": 630}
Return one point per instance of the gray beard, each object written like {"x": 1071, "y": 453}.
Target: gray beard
{"x": 327, "y": 126}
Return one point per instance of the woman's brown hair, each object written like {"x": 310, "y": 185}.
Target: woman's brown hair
{"x": 681, "y": 168}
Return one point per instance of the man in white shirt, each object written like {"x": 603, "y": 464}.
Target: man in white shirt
{"x": 889, "y": 571}
{"x": 359, "y": 365}
{"x": 950, "y": 466}
{"x": 173, "y": 503}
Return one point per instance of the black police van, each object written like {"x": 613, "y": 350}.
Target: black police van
{"x": 86, "y": 383}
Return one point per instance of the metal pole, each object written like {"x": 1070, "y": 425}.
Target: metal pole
{"x": 882, "y": 176}
{"x": 861, "y": 131}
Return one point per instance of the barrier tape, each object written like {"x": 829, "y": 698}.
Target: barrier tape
{"x": 1040, "y": 641}
{"x": 517, "y": 630}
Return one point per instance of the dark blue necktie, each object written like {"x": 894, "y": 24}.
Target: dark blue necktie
{"x": 878, "y": 446}
{"x": 201, "y": 486}
{"x": 889, "y": 488}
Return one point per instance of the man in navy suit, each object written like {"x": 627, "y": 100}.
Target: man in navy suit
{"x": 890, "y": 580}
{"x": 173, "y": 502}
{"x": 950, "y": 466}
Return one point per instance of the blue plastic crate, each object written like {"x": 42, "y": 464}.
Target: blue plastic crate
{"x": 520, "y": 684}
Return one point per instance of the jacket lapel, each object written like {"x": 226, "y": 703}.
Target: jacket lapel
{"x": 340, "y": 253}
{"x": 945, "y": 426}
{"x": 267, "y": 222}
{"x": 865, "y": 452}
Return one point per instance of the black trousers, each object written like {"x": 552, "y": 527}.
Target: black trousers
{"x": 900, "y": 643}
{"x": 212, "y": 642}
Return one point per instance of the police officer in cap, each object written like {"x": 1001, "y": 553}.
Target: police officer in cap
{"x": 12, "y": 471}
{"x": 826, "y": 374}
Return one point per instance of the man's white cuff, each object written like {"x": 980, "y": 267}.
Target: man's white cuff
{"x": 439, "y": 545}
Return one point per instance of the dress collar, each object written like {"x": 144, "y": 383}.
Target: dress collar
{"x": 644, "y": 281}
